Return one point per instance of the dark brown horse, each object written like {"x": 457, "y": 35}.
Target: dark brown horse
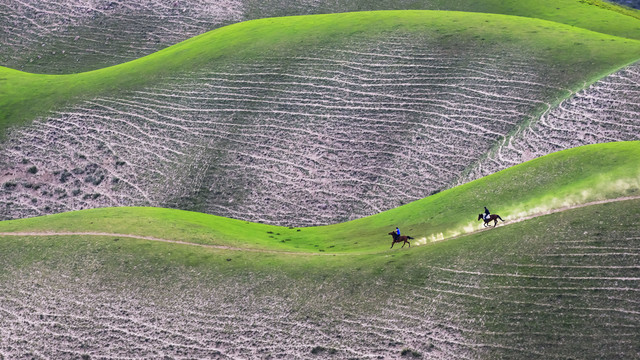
{"x": 397, "y": 239}
{"x": 492, "y": 217}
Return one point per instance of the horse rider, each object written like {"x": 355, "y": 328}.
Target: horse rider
{"x": 486, "y": 213}
{"x": 397, "y": 232}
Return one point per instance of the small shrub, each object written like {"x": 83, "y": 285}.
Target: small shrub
{"x": 97, "y": 181}
{"x": 120, "y": 163}
{"x": 76, "y": 192}
{"x": 409, "y": 352}
{"x": 32, "y": 170}
{"x": 10, "y": 185}
{"x": 321, "y": 349}
{"x": 90, "y": 196}
{"x": 25, "y": 161}
{"x": 64, "y": 176}
{"x": 86, "y": 357}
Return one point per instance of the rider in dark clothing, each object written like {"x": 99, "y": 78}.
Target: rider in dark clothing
{"x": 486, "y": 212}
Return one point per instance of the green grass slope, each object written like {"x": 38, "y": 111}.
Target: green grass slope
{"x": 66, "y": 40}
{"x": 594, "y": 15}
{"x": 575, "y": 55}
{"x": 559, "y": 286}
{"x": 580, "y": 175}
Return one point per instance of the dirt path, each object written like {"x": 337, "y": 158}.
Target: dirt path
{"x": 223, "y": 247}
{"x": 533, "y": 216}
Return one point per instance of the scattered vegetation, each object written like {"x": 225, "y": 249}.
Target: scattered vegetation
{"x": 410, "y": 353}
{"x": 323, "y": 350}
{"x": 9, "y": 185}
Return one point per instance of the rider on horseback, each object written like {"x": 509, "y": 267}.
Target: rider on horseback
{"x": 397, "y": 232}
{"x": 486, "y": 213}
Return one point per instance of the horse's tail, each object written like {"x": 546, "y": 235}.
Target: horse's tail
{"x": 410, "y": 238}
{"x": 499, "y": 217}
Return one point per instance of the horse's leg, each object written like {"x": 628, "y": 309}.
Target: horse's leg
{"x": 393, "y": 243}
{"x": 409, "y": 243}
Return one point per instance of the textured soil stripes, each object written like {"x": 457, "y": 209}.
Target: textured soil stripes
{"x": 607, "y": 111}
{"x": 45, "y": 36}
{"x": 328, "y": 137}
{"x": 65, "y": 322}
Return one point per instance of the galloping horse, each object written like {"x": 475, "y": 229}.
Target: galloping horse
{"x": 397, "y": 239}
{"x": 491, "y": 217}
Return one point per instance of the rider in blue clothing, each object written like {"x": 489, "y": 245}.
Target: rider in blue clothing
{"x": 397, "y": 232}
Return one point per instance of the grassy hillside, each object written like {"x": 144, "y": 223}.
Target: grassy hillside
{"x": 24, "y": 96}
{"x": 48, "y": 36}
{"x": 551, "y": 287}
{"x": 581, "y": 175}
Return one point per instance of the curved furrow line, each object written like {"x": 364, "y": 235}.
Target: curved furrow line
{"x": 608, "y": 110}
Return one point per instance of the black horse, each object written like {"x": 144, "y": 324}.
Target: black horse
{"x": 487, "y": 220}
